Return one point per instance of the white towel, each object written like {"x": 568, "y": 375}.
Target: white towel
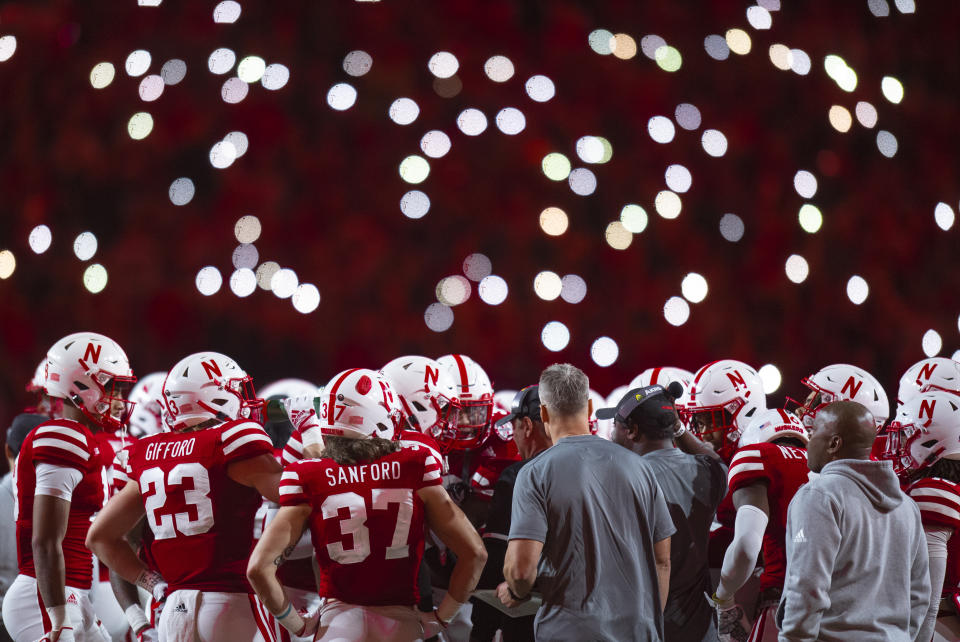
{"x": 178, "y": 622}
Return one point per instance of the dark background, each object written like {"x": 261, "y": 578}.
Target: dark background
{"x": 326, "y": 187}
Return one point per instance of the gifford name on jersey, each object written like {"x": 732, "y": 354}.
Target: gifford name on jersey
{"x": 376, "y": 471}
{"x": 170, "y": 449}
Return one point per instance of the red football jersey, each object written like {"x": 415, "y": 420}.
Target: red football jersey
{"x": 482, "y": 467}
{"x": 784, "y": 470}
{"x": 939, "y": 504}
{"x": 367, "y": 523}
{"x": 62, "y": 442}
{"x": 201, "y": 520}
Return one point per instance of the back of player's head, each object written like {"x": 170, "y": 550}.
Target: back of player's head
{"x": 21, "y": 426}
{"x": 564, "y": 390}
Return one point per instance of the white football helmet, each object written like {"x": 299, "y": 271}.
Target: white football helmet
{"x": 936, "y": 373}
{"x": 208, "y": 386}
{"x": 839, "y": 382}
{"x": 771, "y": 424}
{"x": 474, "y": 401}
{"x": 724, "y": 398}
{"x": 503, "y": 399}
{"x": 92, "y": 372}
{"x": 286, "y": 388}
{"x": 147, "y": 416}
{"x": 662, "y": 376}
{"x": 39, "y": 377}
{"x": 926, "y": 430}
{"x": 426, "y": 393}
{"x": 360, "y": 404}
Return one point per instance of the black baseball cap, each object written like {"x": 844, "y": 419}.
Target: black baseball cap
{"x": 21, "y": 427}
{"x": 526, "y": 403}
{"x": 650, "y": 402}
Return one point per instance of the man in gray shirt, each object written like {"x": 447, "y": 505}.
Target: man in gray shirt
{"x": 694, "y": 480}
{"x": 593, "y": 517}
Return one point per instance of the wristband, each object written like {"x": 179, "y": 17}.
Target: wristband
{"x": 447, "y": 609}
{"x": 136, "y": 618}
{"x": 679, "y": 432}
{"x": 291, "y": 620}
{"x": 59, "y": 618}
{"x": 517, "y": 597}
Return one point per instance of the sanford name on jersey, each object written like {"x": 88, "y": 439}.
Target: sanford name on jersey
{"x": 783, "y": 469}
{"x": 201, "y": 519}
{"x": 70, "y": 444}
{"x": 367, "y": 521}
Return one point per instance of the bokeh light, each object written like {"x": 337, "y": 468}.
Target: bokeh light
{"x": 181, "y": 191}
{"x": 555, "y": 336}
{"x": 600, "y": 40}
{"x": 540, "y": 88}
{"x": 245, "y": 255}
{"x": 239, "y": 141}
{"x": 137, "y": 63}
{"x": 866, "y": 114}
{"x": 40, "y": 239}
{"x": 404, "y": 111}
{"x": 243, "y": 282}
{"x": 714, "y": 142}
{"x": 234, "y": 90}
{"x": 251, "y": 69}
{"x": 800, "y": 62}
{"x": 857, "y": 289}
{"x": 493, "y": 290}
{"x": 222, "y": 154}
{"x": 510, "y": 121}
{"x": 618, "y": 236}
{"x": 95, "y": 278}
{"x": 668, "y": 58}
{"x": 837, "y": 68}
{"x": 284, "y": 283}
{"x": 554, "y": 221}
{"x": 739, "y": 41}
{"x": 472, "y": 122}
{"x": 623, "y": 46}
{"x": 759, "y": 18}
{"x": 173, "y": 71}
{"x": 275, "y": 76}
{"x": 582, "y": 181}
{"x": 879, "y": 8}
{"x": 221, "y": 61}
{"x": 415, "y": 204}
{"x": 498, "y": 68}
{"x": 892, "y": 89}
{"x": 438, "y": 317}
{"x": 209, "y": 280}
{"x": 590, "y": 149}
{"x": 604, "y": 352}
{"x": 661, "y": 129}
{"x": 887, "y": 143}
{"x": 85, "y": 246}
{"x": 414, "y": 169}
{"x": 226, "y": 12}
{"x": 140, "y": 125}
{"x": 676, "y": 311}
{"x": 556, "y": 166}
{"x": 688, "y": 116}
{"x": 247, "y": 229}
{"x": 547, "y": 285}
{"x": 932, "y": 343}
{"x": 780, "y": 56}
{"x": 8, "y": 45}
{"x": 694, "y": 287}
{"x": 805, "y": 183}
{"x": 678, "y": 178}
{"x": 905, "y": 6}
{"x": 357, "y": 63}
{"x": 151, "y": 87}
{"x": 573, "y": 288}
{"x": 716, "y": 47}
{"x": 944, "y": 216}
{"x": 102, "y": 75}
{"x": 649, "y": 45}
{"x": 797, "y": 268}
{"x": 840, "y": 118}
{"x": 770, "y": 377}
{"x": 443, "y": 64}
{"x": 342, "y": 96}
{"x": 306, "y": 298}
{"x": 634, "y": 218}
{"x": 731, "y": 227}
{"x": 435, "y": 143}
{"x": 477, "y": 266}
{"x": 453, "y": 290}
{"x": 265, "y": 273}
{"x": 810, "y": 218}
{"x": 8, "y": 263}
{"x": 667, "y": 204}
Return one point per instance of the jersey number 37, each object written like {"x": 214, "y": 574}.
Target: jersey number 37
{"x": 356, "y": 524}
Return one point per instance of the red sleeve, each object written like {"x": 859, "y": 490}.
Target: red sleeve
{"x": 431, "y": 470}
{"x": 413, "y": 440}
{"x": 64, "y": 445}
{"x": 938, "y": 501}
{"x": 121, "y": 470}
{"x": 293, "y": 450}
{"x": 244, "y": 439}
{"x": 750, "y": 465}
{"x": 293, "y": 491}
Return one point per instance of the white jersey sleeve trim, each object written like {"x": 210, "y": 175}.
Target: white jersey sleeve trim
{"x": 227, "y": 434}
{"x": 932, "y": 507}
{"x": 745, "y": 454}
{"x": 926, "y": 491}
{"x": 290, "y": 489}
{"x": 53, "y": 442}
{"x": 242, "y": 441}
{"x": 743, "y": 468}
{"x": 430, "y": 476}
{"x": 64, "y": 431}
{"x": 57, "y": 481}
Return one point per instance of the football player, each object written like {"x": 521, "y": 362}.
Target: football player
{"x": 427, "y": 396}
{"x": 924, "y": 445}
{"x": 44, "y": 404}
{"x": 935, "y": 373}
{"x": 764, "y": 475}
{"x": 366, "y": 503}
{"x": 200, "y": 486}
{"x": 60, "y": 481}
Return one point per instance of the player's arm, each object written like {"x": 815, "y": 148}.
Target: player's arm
{"x": 128, "y": 597}
{"x": 51, "y": 513}
{"x": 661, "y": 559}
{"x": 453, "y": 528}
{"x": 692, "y": 445}
{"x": 753, "y": 513}
{"x": 261, "y": 472}
{"x": 275, "y": 546}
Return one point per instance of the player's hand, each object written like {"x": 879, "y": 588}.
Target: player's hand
{"x": 60, "y": 635}
{"x": 732, "y": 624}
{"x": 503, "y": 592}
{"x": 301, "y": 412}
{"x": 431, "y": 624}
{"x": 148, "y": 634}
{"x": 311, "y": 622}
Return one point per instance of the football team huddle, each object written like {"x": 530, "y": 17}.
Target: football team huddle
{"x": 337, "y": 512}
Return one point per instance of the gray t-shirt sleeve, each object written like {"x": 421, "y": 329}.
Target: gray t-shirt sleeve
{"x": 528, "y": 516}
{"x": 660, "y": 521}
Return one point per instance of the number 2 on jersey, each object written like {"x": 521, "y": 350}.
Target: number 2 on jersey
{"x": 168, "y": 526}
{"x": 355, "y": 524}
